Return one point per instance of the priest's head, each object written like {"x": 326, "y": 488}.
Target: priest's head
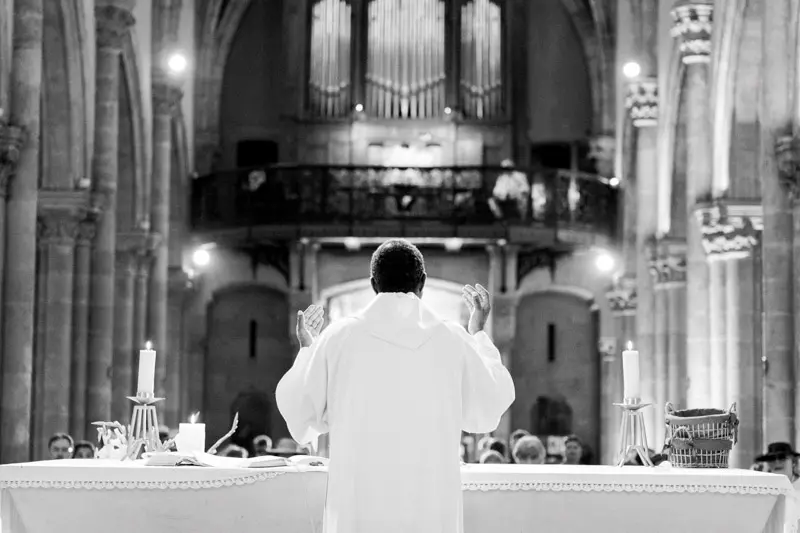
{"x": 397, "y": 266}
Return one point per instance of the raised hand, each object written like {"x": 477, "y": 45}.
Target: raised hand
{"x": 479, "y": 304}
{"x": 309, "y": 325}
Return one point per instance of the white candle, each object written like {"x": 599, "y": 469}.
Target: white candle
{"x": 631, "y": 378}
{"x": 191, "y": 438}
{"x": 147, "y": 371}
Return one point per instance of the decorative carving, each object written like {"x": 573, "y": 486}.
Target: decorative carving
{"x": 622, "y": 296}
{"x": 87, "y": 230}
{"x": 58, "y": 227}
{"x": 602, "y": 150}
{"x": 112, "y": 24}
{"x": 166, "y": 98}
{"x": 642, "y": 102}
{"x": 11, "y": 140}
{"x": 667, "y": 263}
{"x": 728, "y": 235}
{"x": 692, "y": 25}
{"x": 787, "y": 154}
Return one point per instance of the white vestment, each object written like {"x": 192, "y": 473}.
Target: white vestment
{"x": 394, "y": 385}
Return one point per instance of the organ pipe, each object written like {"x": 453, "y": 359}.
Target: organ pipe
{"x": 330, "y": 48}
{"x": 405, "y": 73}
{"x": 481, "y": 59}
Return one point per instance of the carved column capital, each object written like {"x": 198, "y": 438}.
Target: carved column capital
{"x": 112, "y": 23}
{"x": 642, "y": 102}
{"x": 58, "y": 227}
{"x": 729, "y": 232}
{"x": 693, "y": 21}
{"x": 603, "y": 150}
{"x": 87, "y": 230}
{"x": 11, "y": 140}
{"x": 787, "y": 154}
{"x": 622, "y": 296}
{"x": 126, "y": 260}
{"x": 167, "y": 97}
{"x": 668, "y": 263}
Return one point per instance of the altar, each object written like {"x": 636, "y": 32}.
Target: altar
{"x": 95, "y": 495}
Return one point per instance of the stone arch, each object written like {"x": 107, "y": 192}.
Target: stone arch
{"x": 669, "y": 109}
{"x": 221, "y": 21}
{"x": 141, "y": 184}
{"x": 65, "y": 124}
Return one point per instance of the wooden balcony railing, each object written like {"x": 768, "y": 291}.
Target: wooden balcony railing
{"x": 348, "y": 195}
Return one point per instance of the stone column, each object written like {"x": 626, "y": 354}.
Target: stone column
{"x": 692, "y": 25}
{"x": 179, "y": 284}
{"x": 11, "y": 140}
{"x": 660, "y": 343}
{"x": 622, "y": 302}
{"x": 80, "y": 330}
{"x": 20, "y": 234}
{"x": 58, "y": 229}
{"x": 123, "y": 357}
{"x": 144, "y": 263}
{"x": 112, "y": 26}
{"x": 730, "y": 233}
{"x": 778, "y": 157}
{"x": 668, "y": 268}
{"x": 166, "y": 98}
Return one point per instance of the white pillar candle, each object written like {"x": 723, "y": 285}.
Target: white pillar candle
{"x": 147, "y": 372}
{"x": 191, "y": 438}
{"x": 631, "y": 378}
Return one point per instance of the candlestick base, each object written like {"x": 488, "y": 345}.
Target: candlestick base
{"x": 144, "y": 421}
{"x": 633, "y": 437}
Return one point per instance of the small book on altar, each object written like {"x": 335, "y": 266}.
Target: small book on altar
{"x": 216, "y": 461}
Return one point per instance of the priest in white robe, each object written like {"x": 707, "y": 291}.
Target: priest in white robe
{"x": 395, "y": 385}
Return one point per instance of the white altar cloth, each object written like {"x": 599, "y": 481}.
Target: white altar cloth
{"x": 85, "y": 496}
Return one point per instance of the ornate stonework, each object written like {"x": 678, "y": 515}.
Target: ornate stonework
{"x": 166, "y": 98}
{"x": 729, "y": 231}
{"x": 112, "y": 24}
{"x": 11, "y": 140}
{"x": 693, "y": 21}
{"x": 87, "y": 230}
{"x": 787, "y": 154}
{"x": 622, "y": 296}
{"x": 58, "y": 227}
{"x": 642, "y": 102}
{"x": 602, "y": 150}
{"x": 668, "y": 263}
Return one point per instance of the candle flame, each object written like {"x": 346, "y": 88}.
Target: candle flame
{"x": 630, "y": 345}
{"x": 193, "y": 417}
{"x": 148, "y": 345}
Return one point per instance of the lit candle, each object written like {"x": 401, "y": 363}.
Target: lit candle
{"x": 630, "y": 373}
{"x": 192, "y": 436}
{"x": 147, "y": 370}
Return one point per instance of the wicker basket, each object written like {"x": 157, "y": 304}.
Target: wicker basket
{"x": 701, "y": 438}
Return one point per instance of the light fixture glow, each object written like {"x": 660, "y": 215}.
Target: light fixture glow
{"x": 177, "y": 63}
{"x": 614, "y": 182}
{"x": 352, "y": 244}
{"x": 359, "y": 108}
{"x": 604, "y": 262}
{"x": 631, "y": 69}
{"x": 453, "y": 245}
{"x": 201, "y": 257}
{"x": 447, "y": 110}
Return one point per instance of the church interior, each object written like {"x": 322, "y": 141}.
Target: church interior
{"x": 187, "y": 174}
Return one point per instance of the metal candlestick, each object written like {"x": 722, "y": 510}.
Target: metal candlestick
{"x": 144, "y": 418}
{"x": 633, "y": 436}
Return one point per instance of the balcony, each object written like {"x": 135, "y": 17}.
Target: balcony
{"x": 283, "y": 202}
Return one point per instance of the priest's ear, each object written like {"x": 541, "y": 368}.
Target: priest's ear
{"x": 421, "y": 285}
{"x": 374, "y": 285}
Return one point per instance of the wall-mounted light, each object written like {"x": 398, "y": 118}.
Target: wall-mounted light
{"x": 177, "y": 63}
{"x": 201, "y": 257}
{"x": 614, "y": 182}
{"x": 453, "y": 245}
{"x": 359, "y": 108}
{"x": 447, "y": 110}
{"x": 352, "y": 244}
{"x": 631, "y": 69}
{"x": 605, "y": 262}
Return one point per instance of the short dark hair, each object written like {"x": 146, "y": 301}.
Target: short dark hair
{"x": 573, "y": 438}
{"x": 397, "y": 266}
{"x": 60, "y": 436}
{"x": 83, "y": 444}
